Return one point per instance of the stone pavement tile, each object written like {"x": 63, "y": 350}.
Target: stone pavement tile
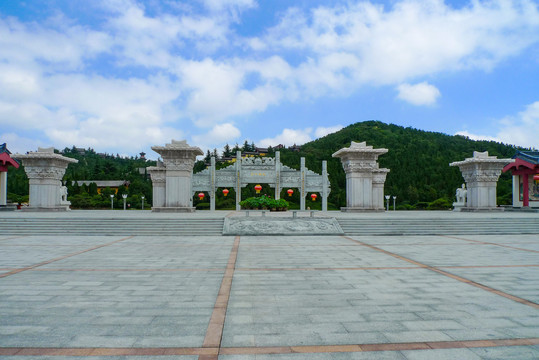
{"x": 379, "y": 355}
{"x": 99, "y": 309}
{"x": 183, "y": 357}
{"x": 185, "y": 340}
{"x": 441, "y": 354}
{"x": 159, "y": 253}
{"x": 508, "y": 353}
{"x": 475, "y": 334}
{"x": 319, "y": 253}
{"x": 522, "y": 282}
{"x": 416, "y": 336}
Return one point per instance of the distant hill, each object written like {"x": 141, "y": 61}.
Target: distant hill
{"x": 418, "y": 160}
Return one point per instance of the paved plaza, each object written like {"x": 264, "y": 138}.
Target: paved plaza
{"x": 269, "y": 297}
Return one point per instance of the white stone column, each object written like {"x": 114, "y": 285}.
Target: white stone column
{"x": 3, "y": 188}
{"x": 364, "y": 179}
{"x": 378, "y": 181}
{"x": 481, "y": 173}
{"x": 238, "y": 180}
{"x": 179, "y": 160}
{"x": 325, "y": 185}
{"x": 158, "y": 176}
{"x": 302, "y": 193}
{"x": 212, "y": 184}
{"x": 45, "y": 170}
{"x": 277, "y": 175}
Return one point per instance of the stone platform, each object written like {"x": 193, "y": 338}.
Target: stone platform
{"x": 179, "y": 296}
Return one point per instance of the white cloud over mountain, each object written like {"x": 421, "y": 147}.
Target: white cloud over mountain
{"x": 166, "y": 71}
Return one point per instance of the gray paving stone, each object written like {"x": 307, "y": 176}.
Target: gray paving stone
{"x": 441, "y": 354}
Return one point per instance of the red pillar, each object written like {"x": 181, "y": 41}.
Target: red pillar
{"x": 525, "y": 191}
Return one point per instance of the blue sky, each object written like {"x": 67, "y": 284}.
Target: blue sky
{"x": 122, "y": 75}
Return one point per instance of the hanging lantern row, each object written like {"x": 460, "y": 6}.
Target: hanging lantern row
{"x": 225, "y": 192}
{"x": 290, "y": 192}
{"x": 258, "y": 188}
{"x": 201, "y": 196}
{"x": 313, "y": 197}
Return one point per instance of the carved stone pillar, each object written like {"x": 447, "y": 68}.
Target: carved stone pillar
{"x": 481, "y": 173}
{"x": 364, "y": 179}
{"x": 158, "y": 175}
{"x": 179, "y": 160}
{"x": 45, "y": 170}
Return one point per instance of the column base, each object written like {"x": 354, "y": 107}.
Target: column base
{"x": 44, "y": 209}
{"x": 357, "y": 209}
{"x": 8, "y": 207}
{"x": 482, "y": 209}
{"x": 174, "y": 209}
{"x": 457, "y": 206}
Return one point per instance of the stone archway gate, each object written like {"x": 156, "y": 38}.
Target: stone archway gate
{"x": 264, "y": 170}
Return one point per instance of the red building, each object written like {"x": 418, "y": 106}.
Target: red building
{"x": 5, "y": 162}
{"x": 525, "y": 171}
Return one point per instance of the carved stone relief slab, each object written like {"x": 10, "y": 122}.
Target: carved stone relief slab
{"x": 281, "y": 226}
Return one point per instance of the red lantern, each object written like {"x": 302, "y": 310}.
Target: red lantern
{"x": 225, "y": 192}
{"x": 258, "y": 188}
{"x": 290, "y": 192}
{"x": 536, "y": 177}
{"x": 314, "y": 196}
{"x": 201, "y": 196}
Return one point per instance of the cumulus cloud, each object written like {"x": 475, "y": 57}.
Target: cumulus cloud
{"x": 323, "y": 131}
{"x": 141, "y": 74}
{"x": 472, "y": 136}
{"x": 288, "y": 137}
{"x": 520, "y": 129}
{"x": 418, "y": 94}
{"x": 219, "y": 134}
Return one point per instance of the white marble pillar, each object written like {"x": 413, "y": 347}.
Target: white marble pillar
{"x": 179, "y": 160}
{"x": 238, "y": 180}
{"x": 481, "y": 173}
{"x": 277, "y": 175}
{"x": 45, "y": 170}
{"x": 302, "y": 192}
{"x": 364, "y": 179}
{"x": 158, "y": 176}
{"x": 325, "y": 185}
{"x": 212, "y": 184}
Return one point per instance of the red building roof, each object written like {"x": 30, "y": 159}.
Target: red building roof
{"x": 5, "y": 159}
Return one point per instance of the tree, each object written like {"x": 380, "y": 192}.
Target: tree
{"x": 226, "y": 151}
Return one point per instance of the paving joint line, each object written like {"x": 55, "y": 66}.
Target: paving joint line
{"x": 450, "y": 275}
{"x": 212, "y": 353}
{"x": 490, "y": 243}
{"x": 62, "y": 257}
{"x": 214, "y": 333}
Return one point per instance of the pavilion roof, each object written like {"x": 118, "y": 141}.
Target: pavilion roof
{"x": 528, "y": 156}
{"x": 524, "y": 160}
{"x": 5, "y": 159}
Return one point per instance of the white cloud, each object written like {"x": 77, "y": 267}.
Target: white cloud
{"x": 288, "y": 137}
{"x": 522, "y": 129}
{"x": 218, "y": 135}
{"x": 409, "y": 39}
{"x": 21, "y": 144}
{"x": 323, "y": 131}
{"x": 477, "y": 137}
{"x": 418, "y": 94}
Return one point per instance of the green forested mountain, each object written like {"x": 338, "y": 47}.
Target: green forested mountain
{"x": 420, "y": 174}
{"x": 418, "y": 160}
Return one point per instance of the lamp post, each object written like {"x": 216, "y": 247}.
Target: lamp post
{"x": 142, "y": 197}
{"x": 124, "y": 196}
{"x": 112, "y": 202}
{"x": 387, "y": 202}
{"x": 394, "y": 200}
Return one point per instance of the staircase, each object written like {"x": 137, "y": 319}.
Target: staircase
{"x": 111, "y": 226}
{"x": 433, "y": 226}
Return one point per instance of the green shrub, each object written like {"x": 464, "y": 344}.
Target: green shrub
{"x": 203, "y": 206}
{"x": 263, "y": 203}
{"x": 440, "y": 204}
